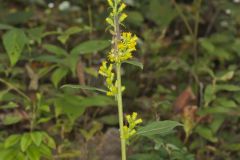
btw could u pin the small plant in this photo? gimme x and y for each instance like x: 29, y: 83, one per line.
x: 123, y: 46
x: 32, y: 143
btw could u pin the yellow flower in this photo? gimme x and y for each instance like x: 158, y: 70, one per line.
x: 125, y: 48
x: 112, y: 90
x: 122, y: 7
x: 106, y: 71
x: 130, y: 130
x: 110, y: 2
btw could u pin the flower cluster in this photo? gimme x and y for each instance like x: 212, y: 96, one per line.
x: 106, y: 71
x: 125, y: 48
x: 130, y: 130
x: 117, y: 9
x: 124, y: 45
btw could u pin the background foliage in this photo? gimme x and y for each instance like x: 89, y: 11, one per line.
x: 190, y: 50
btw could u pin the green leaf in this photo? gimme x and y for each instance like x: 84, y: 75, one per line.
x: 45, y: 151
x: 161, y: 12
x: 50, y: 33
x: 221, y: 38
x: 158, y: 128
x: 227, y: 87
x: 227, y: 76
x: 71, y: 62
x: 49, y: 141
x: 73, y: 30
x: 91, y: 71
x: 55, y: 49
x: 236, y: 45
x: 69, y: 105
x: 36, y: 33
x: 207, y: 45
x: 209, y: 94
x: 5, y: 27
x: 109, y: 119
x: 2, y: 94
x: 216, y: 123
x: 84, y: 87
x: 222, y: 54
x: 10, y: 105
x: 58, y: 75
x: 96, y: 127
x: 225, y: 102
x: 12, y: 140
x: 97, y: 101
x: 70, y: 31
x: 206, y: 133
x: 20, y: 156
x: 48, y: 58
x: 14, y: 42
x: 216, y: 110
x: 44, y: 120
x: 75, y: 106
x: 91, y: 46
x: 33, y: 153
x: 37, y: 137
x: 12, y: 119
x: 135, y: 63
x: 8, y: 154
x: 26, y: 141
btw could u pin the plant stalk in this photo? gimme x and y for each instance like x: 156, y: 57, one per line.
x: 117, y: 38
x: 120, y: 111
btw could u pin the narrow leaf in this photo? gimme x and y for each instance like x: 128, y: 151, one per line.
x: 58, y: 75
x: 206, y: 133
x: 159, y: 128
x: 55, y: 49
x: 84, y: 87
x: 90, y: 47
x: 135, y: 63
x: 228, y: 87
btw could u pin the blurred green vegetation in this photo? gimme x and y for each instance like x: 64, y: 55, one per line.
x: 190, y: 50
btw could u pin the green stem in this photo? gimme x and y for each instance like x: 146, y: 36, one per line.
x: 10, y: 86
x: 117, y: 38
x: 90, y: 20
x: 184, y: 18
x: 193, y: 32
x: 33, y: 118
x: 120, y: 111
x: 196, y: 29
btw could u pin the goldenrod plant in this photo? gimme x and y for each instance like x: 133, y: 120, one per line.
x: 122, y: 50
x: 123, y: 46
